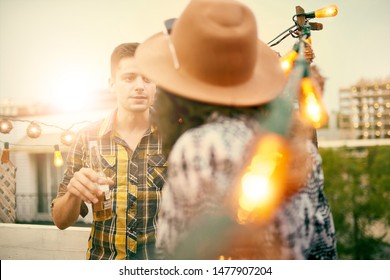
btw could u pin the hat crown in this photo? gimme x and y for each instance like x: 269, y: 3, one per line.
x: 216, y: 42
x: 220, y: 59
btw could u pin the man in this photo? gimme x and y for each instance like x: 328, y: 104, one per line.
x: 132, y: 158
x: 222, y: 86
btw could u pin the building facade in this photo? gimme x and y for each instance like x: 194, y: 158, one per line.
x: 365, y: 110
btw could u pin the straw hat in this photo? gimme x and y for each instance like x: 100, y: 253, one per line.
x: 221, y: 60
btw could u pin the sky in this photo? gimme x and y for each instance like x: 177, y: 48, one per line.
x: 57, y: 51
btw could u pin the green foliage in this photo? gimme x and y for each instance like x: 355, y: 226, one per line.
x: 357, y: 184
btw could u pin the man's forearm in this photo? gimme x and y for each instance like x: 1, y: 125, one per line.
x: 66, y: 210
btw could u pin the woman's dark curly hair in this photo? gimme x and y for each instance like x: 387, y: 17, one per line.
x: 173, y: 115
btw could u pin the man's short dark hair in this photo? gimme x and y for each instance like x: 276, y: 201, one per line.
x: 120, y: 52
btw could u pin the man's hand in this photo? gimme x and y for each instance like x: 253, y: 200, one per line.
x: 83, y: 185
x: 309, y: 54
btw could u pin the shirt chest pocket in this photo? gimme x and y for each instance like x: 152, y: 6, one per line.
x: 109, y: 166
x: 157, y: 168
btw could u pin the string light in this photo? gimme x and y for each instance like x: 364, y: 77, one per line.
x: 34, y: 130
x: 5, y: 126
x: 287, y: 61
x: 5, y: 154
x: 58, y: 161
x: 261, y: 186
x: 68, y: 137
x: 328, y: 11
x: 311, y: 106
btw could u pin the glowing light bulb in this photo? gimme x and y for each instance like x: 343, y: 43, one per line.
x: 287, y: 61
x: 5, y: 154
x: 5, y: 126
x: 58, y: 161
x: 33, y: 130
x: 310, y: 104
x: 255, y: 189
x: 329, y: 11
x: 261, y: 186
x: 68, y: 137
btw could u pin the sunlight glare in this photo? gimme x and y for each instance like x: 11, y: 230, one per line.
x: 72, y: 90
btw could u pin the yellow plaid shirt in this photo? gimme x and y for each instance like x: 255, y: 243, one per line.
x: 139, y: 176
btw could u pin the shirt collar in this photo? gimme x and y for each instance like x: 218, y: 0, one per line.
x: 108, y: 126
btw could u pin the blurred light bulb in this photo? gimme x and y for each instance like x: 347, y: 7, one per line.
x: 287, y: 61
x: 33, y: 130
x: 58, y: 161
x: 255, y: 189
x: 311, y: 106
x: 261, y: 187
x: 5, y: 126
x: 5, y: 154
x: 67, y: 137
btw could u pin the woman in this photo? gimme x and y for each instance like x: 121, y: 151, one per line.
x: 222, y: 92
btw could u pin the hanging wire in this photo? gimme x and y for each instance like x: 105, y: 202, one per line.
x: 42, y: 123
x: 289, y: 31
x: 66, y: 142
x: 281, y: 34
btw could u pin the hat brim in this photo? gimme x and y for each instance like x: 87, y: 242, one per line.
x: 155, y: 61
